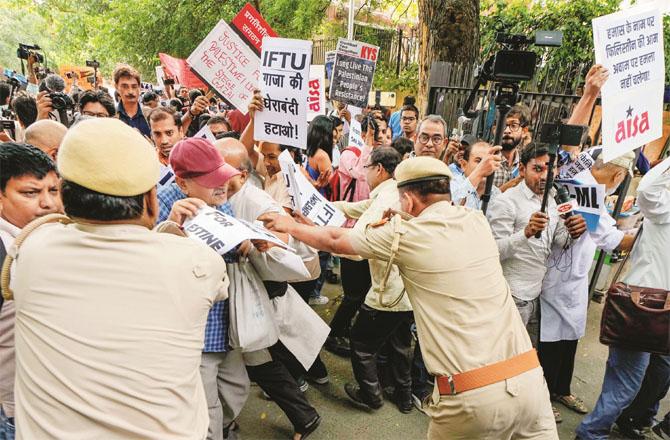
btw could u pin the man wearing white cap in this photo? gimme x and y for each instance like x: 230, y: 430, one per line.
x: 110, y: 316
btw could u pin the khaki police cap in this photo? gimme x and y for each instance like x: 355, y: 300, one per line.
x: 421, y: 169
x: 108, y: 156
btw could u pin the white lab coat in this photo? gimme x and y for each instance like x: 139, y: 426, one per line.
x: 565, y: 289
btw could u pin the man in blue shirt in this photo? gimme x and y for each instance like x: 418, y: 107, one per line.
x: 127, y: 84
x: 202, y: 178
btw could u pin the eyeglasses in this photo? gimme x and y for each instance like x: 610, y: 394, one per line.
x: 371, y: 165
x: 95, y: 115
x: 514, y: 126
x: 437, y: 139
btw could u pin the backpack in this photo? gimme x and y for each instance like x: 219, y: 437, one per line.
x: 334, y: 184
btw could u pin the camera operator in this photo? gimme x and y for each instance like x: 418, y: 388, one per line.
x: 150, y: 100
x: 5, y: 92
x: 52, y: 102
x: 479, y: 161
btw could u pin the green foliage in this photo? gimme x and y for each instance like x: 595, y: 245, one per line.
x: 387, y: 81
x: 135, y: 31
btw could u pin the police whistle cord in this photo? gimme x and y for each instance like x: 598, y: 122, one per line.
x: 13, y: 251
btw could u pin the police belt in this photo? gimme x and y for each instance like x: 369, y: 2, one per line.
x: 487, y: 375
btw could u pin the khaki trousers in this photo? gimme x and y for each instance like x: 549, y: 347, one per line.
x: 516, y: 408
x: 226, y: 383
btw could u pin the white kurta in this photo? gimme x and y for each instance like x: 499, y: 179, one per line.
x: 300, y: 329
x: 650, y: 260
x: 565, y: 289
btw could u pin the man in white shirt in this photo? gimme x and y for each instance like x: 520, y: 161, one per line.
x: 650, y: 260
x: 29, y: 188
x: 515, y: 219
x: 564, y: 298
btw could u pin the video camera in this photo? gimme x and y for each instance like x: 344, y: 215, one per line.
x: 25, y: 50
x: 512, y: 62
x: 93, y: 63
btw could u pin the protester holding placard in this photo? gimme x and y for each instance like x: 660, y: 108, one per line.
x: 201, y: 179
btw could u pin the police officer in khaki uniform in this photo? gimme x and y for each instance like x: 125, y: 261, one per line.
x: 110, y: 316
x: 489, y: 383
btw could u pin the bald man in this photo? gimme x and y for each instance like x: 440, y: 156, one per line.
x: 46, y: 134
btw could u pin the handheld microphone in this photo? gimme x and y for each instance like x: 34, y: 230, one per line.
x: 564, y: 204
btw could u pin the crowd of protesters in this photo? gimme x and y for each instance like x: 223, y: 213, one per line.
x: 116, y: 326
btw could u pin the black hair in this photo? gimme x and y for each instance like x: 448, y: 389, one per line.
x: 5, y: 91
x: 521, y: 112
x: 219, y: 120
x: 91, y: 205
x: 192, y: 94
x: 149, y: 96
x: 297, y: 153
x: 18, y: 160
x: 370, y: 122
x: 467, y: 148
x: 25, y: 108
x: 336, y: 121
x: 531, y: 151
x: 408, y: 100
x: 387, y: 157
x: 160, y: 113
x: 402, y: 145
x: 97, y: 96
x: 228, y: 134
x: 176, y: 103
x: 425, y: 188
x: 410, y: 108
x: 320, y: 136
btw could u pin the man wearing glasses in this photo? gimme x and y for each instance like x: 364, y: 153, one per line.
x: 513, y: 139
x: 96, y: 104
x: 431, y: 138
x: 409, y: 117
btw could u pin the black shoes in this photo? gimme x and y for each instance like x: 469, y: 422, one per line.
x: 403, y: 400
x: 355, y: 394
x: 310, y: 427
x: 338, y: 345
x: 630, y: 431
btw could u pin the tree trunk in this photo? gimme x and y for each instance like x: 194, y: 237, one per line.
x: 448, y: 31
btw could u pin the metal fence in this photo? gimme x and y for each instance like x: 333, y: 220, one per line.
x: 396, y: 47
x: 551, y: 94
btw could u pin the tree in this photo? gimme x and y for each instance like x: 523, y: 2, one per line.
x: 448, y: 31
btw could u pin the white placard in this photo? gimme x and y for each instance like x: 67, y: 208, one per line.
x: 222, y: 232
x: 590, y: 200
x: 305, y: 198
x: 226, y: 63
x: 316, y: 95
x: 284, y: 82
x: 206, y: 133
x: 630, y: 45
x: 583, y: 162
x: 160, y: 75
x: 166, y: 176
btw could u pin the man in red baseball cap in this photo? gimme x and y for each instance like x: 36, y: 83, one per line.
x: 201, y: 178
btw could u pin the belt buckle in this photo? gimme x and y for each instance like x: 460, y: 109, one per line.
x: 452, y: 386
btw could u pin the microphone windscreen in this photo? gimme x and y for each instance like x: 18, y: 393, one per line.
x: 54, y: 83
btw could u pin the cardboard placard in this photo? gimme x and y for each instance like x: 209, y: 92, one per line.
x: 222, y: 232
x: 305, y: 198
x: 284, y: 81
x: 630, y: 45
x: 354, y: 70
x: 316, y: 95
x: 590, y: 200
x: 252, y: 27
x: 225, y: 62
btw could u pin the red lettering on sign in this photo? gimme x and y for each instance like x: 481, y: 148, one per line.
x: 369, y: 53
x: 631, y: 127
